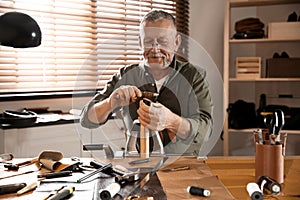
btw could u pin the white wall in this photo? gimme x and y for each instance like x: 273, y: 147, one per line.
x: 207, y: 28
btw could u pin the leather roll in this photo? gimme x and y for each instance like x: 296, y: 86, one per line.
x: 50, y: 159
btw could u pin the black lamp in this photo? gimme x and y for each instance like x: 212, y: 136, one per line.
x: 19, y: 30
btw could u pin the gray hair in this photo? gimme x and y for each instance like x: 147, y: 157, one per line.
x: 155, y: 15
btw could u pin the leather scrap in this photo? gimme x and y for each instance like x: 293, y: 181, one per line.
x: 50, y: 159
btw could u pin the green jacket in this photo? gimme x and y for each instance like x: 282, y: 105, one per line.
x: 185, y: 92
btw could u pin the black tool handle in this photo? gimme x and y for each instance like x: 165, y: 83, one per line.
x: 63, y: 194
x: 109, y: 171
x: 55, y: 174
x: 11, y: 188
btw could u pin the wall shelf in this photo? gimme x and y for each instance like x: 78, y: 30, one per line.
x: 262, y: 40
x: 264, y: 79
x: 250, y: 130
x: 261, y: 47
x: 244, y: 3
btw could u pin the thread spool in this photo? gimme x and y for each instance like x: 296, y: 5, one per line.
x: 198, y: 191
x: 12, y: 167
x: 269, y: 184
x: 254, y: 192
x: 6, y: 157
x: 110, y: 191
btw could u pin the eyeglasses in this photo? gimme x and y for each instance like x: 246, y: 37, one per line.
x: 160, y: 43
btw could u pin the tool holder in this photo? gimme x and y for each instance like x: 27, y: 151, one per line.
x: 269, y: 160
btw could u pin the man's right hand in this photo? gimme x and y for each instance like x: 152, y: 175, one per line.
x: 124, y: 96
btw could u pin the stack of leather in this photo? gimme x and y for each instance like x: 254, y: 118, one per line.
x: 249, y: 28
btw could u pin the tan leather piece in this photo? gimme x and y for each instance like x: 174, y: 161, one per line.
x: 50, y: 159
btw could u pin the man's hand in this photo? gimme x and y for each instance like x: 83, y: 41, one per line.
x: 124, y: 95
x: 155, y: 117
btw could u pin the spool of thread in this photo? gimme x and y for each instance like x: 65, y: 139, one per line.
x: 6, y: 157
x: 110, y: 191
x: 269, y: 184
x: 254, y: 192
x: 198, y: 191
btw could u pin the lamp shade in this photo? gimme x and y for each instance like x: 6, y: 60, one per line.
x: 19, y: 30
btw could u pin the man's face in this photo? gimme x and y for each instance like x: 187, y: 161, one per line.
x: 159, y: 42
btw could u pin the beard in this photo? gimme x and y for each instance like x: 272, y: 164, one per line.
x: 157, y: 65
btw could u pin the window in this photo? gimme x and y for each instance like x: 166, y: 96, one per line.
x: 83, y: 42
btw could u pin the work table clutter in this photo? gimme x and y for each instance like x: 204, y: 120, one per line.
x: 224, y: 177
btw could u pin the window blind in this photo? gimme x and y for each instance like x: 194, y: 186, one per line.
x: 84, y: 42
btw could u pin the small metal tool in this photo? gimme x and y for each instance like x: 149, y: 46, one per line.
x: 16, y: 166
x: 128, y: 178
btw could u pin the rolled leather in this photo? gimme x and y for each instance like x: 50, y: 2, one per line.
x: 50, y: 159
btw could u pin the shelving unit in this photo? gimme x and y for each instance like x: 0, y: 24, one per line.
x: 238, y: 47
x: 266, y: 79
x: 261, y: 40
x: 251, y: 130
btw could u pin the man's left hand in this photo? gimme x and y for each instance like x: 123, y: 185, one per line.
x: 155, y: 117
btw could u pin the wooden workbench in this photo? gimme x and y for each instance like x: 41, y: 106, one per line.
x: 225, y: 177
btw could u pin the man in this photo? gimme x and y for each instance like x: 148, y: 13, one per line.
x: 182, y: 113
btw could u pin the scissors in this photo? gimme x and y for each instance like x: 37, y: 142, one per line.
x: 274, y: 123
x: 280, y: 123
